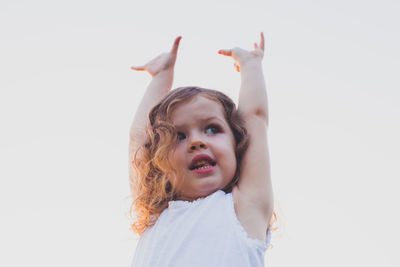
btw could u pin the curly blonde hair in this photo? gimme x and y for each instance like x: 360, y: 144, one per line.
x: 151, y: 188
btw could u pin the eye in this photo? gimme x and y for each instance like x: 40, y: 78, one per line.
x: 181, y: 136
x: 214, y: 129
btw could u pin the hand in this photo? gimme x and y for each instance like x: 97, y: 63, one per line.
x: 162, y: 62
x: 242, y: 56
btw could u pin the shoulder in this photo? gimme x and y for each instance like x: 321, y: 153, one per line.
x: 251, y: 215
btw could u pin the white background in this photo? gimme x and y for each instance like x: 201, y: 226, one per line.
x: 68, y: 97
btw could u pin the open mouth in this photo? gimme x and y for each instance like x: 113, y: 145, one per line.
x: 202, y: 165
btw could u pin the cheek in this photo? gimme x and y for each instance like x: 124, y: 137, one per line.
x: 226, y: 150
x: 177, y: 157
x: 178, y: 163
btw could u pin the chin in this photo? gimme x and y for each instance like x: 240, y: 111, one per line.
x: 209, y: 190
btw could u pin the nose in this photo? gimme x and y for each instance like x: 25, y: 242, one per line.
x: 196, y: 145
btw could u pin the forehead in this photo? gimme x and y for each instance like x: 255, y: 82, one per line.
x: 197, y: 108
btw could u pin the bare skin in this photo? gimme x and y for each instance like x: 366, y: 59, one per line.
x: 241, y: 56
x: 253, y: 196
x: 161, y: 68
x: 163, y: 62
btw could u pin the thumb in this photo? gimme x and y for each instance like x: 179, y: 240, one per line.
x: 237, y: 67
x: 174, y: 49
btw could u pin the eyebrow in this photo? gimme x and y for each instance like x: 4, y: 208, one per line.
x: 205, y: 120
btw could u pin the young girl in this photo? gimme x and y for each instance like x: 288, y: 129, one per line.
x: 199, y: 169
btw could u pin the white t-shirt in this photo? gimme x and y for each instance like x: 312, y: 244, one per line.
x: 204, y: 232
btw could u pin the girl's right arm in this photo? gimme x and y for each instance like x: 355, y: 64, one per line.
x: 161, y: 69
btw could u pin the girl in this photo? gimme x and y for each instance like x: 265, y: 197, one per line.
x: 199, y: 169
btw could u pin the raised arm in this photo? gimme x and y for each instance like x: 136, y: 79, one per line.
x: 161, y: 69
x: 255, y: 177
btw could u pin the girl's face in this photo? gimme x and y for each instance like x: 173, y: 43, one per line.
x: 202, y: 130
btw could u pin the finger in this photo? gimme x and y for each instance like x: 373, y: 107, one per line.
x: 225, y: 52
x: 139, y: 68
x: 176, y: 45
x: 255, y: 46
x: 237, y: 66
x: 262, y: 41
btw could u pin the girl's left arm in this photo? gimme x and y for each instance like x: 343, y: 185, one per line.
x: 255, y: 175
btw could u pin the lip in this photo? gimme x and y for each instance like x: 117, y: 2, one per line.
x: 204, y: 171
x: 202, y: 157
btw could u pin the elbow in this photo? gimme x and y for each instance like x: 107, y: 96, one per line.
x: 260, y: 114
